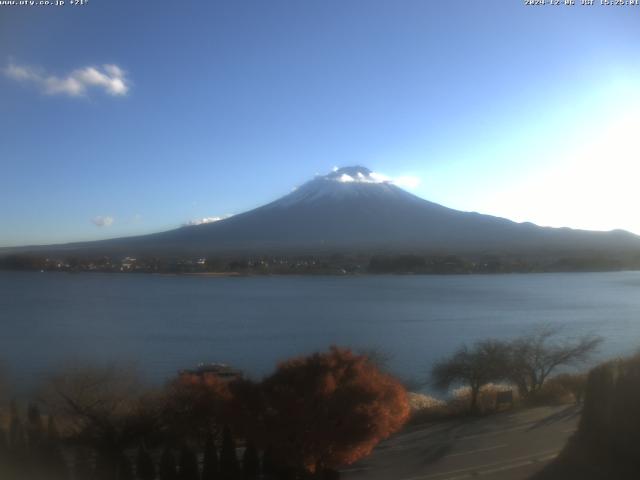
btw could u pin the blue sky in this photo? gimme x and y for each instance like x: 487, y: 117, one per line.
x: 121, y: 117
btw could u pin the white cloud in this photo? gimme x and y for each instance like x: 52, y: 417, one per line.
x: 344, y: 178
x: 406, y: 181
x: 375, y: 177
x: 202, y: 221
x: 109, y: 78
x: 102, y: 221
x: 379, y: 178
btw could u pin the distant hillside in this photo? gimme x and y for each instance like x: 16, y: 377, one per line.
x: 350, y: 210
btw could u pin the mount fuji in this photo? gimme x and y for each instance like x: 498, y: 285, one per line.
x: 354, y: 210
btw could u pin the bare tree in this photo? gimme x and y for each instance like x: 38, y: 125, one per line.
x: 474, y: 367
x: 105, y: 407
x: 535, y: 356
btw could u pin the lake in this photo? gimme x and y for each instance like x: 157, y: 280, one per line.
x: 166, y: 323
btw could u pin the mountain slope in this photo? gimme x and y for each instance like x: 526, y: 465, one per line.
x: 353, y: 210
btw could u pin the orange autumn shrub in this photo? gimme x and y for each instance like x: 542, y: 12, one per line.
x: 195, y: 405
x: 329, y: 409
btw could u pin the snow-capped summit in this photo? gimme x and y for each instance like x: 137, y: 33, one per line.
x: 360, y: 174
x: 356, y: 174
x: 341, y: 184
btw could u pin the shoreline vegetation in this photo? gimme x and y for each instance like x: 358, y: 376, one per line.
x: 308, y: 418
x: 312, y: 416
x: 335, y: 264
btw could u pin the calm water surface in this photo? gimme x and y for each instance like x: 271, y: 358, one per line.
x: 165, y: 323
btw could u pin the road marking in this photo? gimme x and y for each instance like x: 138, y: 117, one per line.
x: 469, y: 452
x: 354, y: 470
x: 528, y: 414
x: 526, y: 463
x: 494, y: 467
x: 526, y: 426
x: 492, y: 432
x: 419, y: 434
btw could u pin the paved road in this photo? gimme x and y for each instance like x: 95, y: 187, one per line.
x: 508, y: 446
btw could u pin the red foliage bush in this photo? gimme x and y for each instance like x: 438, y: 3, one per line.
x: 329, y: 409
x: 196, y: 404
x: 314, y: 413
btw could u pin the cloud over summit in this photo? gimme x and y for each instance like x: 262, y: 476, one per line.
x: 375, y: 177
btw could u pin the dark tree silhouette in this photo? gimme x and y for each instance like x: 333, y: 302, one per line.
x: 4, y: 451
x: 194, y: 405
x: 145, y: 468
x: 606, y: 444
x: 474, y: 367
x: 250, y: 462
x: 245, y: 410
x: 269, y: 467
x: 210, y: 466
x: 52, y: 430
x: 4, y: 444
x: 125, y: 470
x: 35, y: 426
x: 52, y: 457
x: 18, y: 452
x: 106, y: 465
x: 329, y: 409
x: 16, y: 429
x: 36, y: 442
x: 228, y: 458
x: 188, y: 465
x: 82, y: 464
x: 167, y: 469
